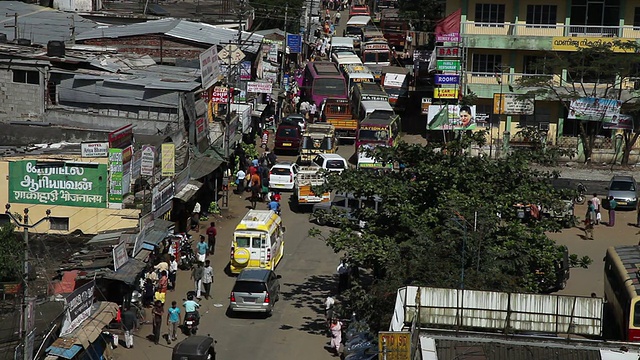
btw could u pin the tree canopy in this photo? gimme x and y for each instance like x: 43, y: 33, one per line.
x: 271, y: 14
x: 444, y: 212
x: 422, y: 14
x: 600, y: 71
x: 11, y: 265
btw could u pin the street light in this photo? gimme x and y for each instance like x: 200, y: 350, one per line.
x: 501, y: 68
x: 25, y: 276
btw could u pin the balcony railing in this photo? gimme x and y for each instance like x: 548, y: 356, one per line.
x: 507, y: 79
x: 522, y: 29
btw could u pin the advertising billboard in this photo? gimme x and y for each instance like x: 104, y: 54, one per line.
x: 593, y: 109
x: 58, y: 183
x: 512, y: 104
x: 210, y: 71
x: 168, y: 159
x: 95, y: 149
x: 451, y: 117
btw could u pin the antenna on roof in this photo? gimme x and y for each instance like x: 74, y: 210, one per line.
x: 14, y: 26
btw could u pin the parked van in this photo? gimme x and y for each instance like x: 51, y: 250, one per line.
x: 288, y: 138
x: 258, y: 241
x: 341, y: 43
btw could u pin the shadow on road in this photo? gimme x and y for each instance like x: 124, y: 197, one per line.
x: 311, y: 294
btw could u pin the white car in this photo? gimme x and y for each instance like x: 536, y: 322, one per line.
x: 331, y: 162
x: 283, y: 176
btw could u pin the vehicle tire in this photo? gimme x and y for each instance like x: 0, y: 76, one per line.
x: 580, y: 199
x: 194, y: 330
x: 321, y: 221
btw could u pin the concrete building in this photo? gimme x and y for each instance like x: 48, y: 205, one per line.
x: 503, y: 39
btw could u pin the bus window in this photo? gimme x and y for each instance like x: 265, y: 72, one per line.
x: 636, y: 314
x: 329, y: 87
x: 370, y: 57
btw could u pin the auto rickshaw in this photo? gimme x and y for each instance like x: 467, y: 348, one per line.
x: 195, y: 348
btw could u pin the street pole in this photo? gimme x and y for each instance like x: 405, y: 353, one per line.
x: 309, y: 29
x: 284, y: 55
x: 25, y: 276
x: 499, y: 79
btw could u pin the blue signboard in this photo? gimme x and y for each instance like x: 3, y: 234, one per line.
x: 294, y: 42
x: 444, y: 79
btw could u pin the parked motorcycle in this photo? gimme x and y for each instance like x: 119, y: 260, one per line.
x: 187, y: 255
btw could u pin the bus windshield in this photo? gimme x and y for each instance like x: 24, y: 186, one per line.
x: 373, y: 135
x: 329, y: 87
x: 376, y: 57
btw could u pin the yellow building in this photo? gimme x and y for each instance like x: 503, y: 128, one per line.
x: 73, y: 188
x: 503, y: 39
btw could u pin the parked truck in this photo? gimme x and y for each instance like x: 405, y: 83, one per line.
x: 337, y: 112
x: 307, y: 178
x: 317, y: 138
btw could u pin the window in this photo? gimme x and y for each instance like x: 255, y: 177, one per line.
x: 485, y: 64
x: 256, y: 243
x: 490, y: 13
x: 534, y: 65
x: 26, y: 77
x: 59, y: 223
x: 242, y: 241
x: 541, y: 14
x: 636, y: 19
x: 249, y: 287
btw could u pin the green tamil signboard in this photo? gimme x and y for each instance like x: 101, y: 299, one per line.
x: 116, y: 173
x: 448, y: 65
x: 58, y: 183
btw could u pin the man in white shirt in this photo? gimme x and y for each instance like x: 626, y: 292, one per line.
x: 312, y: 112
x: 304, y: 108
x: 343, y: 276
x: 328, y: 308
x: 596, y: 204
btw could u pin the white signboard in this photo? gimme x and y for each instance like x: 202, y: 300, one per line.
x: 95, y: 149
x: 231, y: 54
x: 209, y: 67
x: 259, y: 87
x: 394, y: 80
x: 148, y: 160
x: 120, y: 256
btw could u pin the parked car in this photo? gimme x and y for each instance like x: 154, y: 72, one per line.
x: 331, y: 162
x: 255, y: 290
x: 195, y: 348
x: 624, y: 190
x: 283, y: 175
x: 288, y: 138
x: 296, y: 119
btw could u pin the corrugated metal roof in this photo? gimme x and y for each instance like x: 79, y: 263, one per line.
x: 469, y: 350
x: 41, y: 24
x: 182, y: 29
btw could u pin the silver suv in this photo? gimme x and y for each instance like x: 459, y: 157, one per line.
x: 255, y: 290
x: 624, y: 191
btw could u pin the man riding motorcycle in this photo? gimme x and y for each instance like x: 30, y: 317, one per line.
x: 274, y: 205
x: 191, y: 306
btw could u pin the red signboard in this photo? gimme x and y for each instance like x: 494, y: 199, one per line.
x: 220, y: 95
x: 448, y: 51
x: 201, y: 127
x: 121, y: 138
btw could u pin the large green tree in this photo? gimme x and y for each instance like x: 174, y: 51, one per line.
x: 271, y: 14
x: 599, y: 71
x: 11, y: 256
x: 445, y: 212
x: 422, y: 14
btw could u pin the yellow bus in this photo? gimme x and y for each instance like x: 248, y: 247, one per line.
x: 258, y: 241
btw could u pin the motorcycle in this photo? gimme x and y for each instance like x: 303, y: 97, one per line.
x: 192, y: 318
x: 187, y: 255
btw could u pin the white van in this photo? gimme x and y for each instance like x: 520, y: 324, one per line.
x: 341, y: 43
x: 258, y: 241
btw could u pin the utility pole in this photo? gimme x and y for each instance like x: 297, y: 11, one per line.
x: 310, y: 12
x: 26, y: 324
x: 284, y: 56
x: 14, y: 26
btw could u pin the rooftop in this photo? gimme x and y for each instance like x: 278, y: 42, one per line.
x: 41, y: 24
x: 196, y: 32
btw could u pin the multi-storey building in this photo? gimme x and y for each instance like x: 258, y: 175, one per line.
x: 502, y: 39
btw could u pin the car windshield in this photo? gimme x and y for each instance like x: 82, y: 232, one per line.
x: 249, y: 287
x: 287, y: 132
x: 243, y: 241
x: 335, y: 164
x: 319, y: 144
x: 280, y: 171
x: 622, y: 186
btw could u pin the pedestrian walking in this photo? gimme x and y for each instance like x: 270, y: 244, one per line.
x: 207, y: 279
x: 336, y: 335
x: 240, y: 179
x: 163, y: 285
x: 589, y: 220
x: 129, y: 325
x: 202, y: 249
x: 212, y: 232
x: 312, y: 111
x: 596, y: 204
x: 638, y: 215
x: 612, y: 211
x: 196, y: 275
x: 304, y: 109
x: 329, y: 302
x: 158, y: 312
x: 343, y: 275
x: 337, y: 18
x: 173, y: 272
x: 173, y: 322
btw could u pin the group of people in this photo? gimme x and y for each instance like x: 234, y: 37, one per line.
x: 594, y: 216
x: 255, y: 178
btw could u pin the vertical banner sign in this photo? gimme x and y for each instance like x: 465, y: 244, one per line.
x: 424, y: 107
x: 168, y: 159
x: 448, y: 29
x: 78, y: 307
x: 120, y: 256
x: 210, y: 67
x: 148, y: 160
x: 127, y: 161
x: 121, y: 138
x: 201, y: 128
x: 115, y: 178
x: 294, y: 42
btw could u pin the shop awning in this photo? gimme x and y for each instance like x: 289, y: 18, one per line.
x: 88, y: 331
x: 203, y: 166
x: 128, y: 273
x: 188, y: 191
